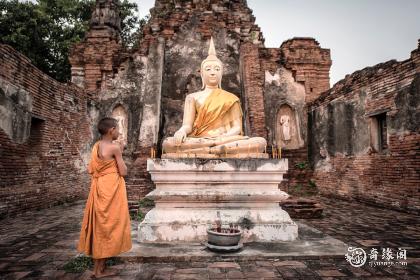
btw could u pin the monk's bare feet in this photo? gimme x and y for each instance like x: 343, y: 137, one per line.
x: 103, y: 266
x: 105, y: 273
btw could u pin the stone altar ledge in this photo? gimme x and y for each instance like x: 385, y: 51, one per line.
x: 191, y: 193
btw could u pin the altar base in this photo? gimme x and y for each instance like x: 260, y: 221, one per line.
x: 191, y: 193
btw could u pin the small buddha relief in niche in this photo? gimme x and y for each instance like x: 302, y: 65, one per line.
x: 287, y: 131
x: 285, y: 124
x: 120, y: 114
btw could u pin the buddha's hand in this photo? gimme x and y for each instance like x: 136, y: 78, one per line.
x: 180, y: 136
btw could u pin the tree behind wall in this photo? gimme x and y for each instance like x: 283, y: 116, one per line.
x: 45, y: 30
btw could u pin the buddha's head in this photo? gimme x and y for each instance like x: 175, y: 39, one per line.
x: 211, y: 69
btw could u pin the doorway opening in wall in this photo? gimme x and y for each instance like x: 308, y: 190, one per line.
x: 36, y: 149
x: 36, y: 133
x: 379, y: 133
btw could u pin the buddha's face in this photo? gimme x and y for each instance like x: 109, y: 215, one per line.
x: 211, y: 73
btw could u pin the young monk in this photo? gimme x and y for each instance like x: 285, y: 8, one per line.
x: 106, y: 222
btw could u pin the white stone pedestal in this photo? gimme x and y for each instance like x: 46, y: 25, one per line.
x: 190, y: 192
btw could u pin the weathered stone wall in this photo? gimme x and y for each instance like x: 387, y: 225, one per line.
x: 342, y: 135
x: 134, y: 91
x: 282, y: 91
x: 289, y: 75
x: 124, y: 85
x: 45, y: 137
x: 138, y: 180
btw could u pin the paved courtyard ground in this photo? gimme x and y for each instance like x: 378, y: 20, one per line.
x: 38, y: 244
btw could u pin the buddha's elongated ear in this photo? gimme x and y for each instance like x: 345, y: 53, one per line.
x: 221, y: 75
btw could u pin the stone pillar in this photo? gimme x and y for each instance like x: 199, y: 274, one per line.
x: 149, y: 129
x: 253, y: 95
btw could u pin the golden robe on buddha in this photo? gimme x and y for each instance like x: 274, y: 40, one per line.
x: 219, y: 110
x: 106, y: 229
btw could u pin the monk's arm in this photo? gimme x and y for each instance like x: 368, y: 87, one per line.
x: 122, y: 168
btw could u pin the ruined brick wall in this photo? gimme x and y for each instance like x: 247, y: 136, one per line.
x: 95, y: 59
x: 309, y: 63
x: 277, y: 77
x: 342, y: 135
x: 169, y: 17
x: 45, y: 137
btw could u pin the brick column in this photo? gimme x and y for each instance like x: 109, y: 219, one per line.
x: 253, y: 94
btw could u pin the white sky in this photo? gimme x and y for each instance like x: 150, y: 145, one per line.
x: 360, y: 33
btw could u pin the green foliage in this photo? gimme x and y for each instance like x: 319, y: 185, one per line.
x: 81, y: 263
x: 253, y: 35
x: 78, y: 264
x: 144, y: 205
x: 298, y: 188
x: 146, y: 202
x: 312, y: 184
x: 133, y: 215
x: 140, y: 216
x: 44, y: 31
x: 304, y: 190
x: 301, y: 165
x: 25, y: 28
x: 131, y: 25
x: 113, y: 261
x: 133, y: 39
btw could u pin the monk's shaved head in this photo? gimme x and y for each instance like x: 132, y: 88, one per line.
x: 106, y: 124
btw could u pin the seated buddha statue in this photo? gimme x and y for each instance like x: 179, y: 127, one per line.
x: 212, y: 121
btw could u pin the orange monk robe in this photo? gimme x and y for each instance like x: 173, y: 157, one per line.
x: 220, y: 108
x: 106, y: 229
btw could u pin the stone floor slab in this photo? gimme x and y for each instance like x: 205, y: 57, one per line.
x: 310, y: 243
x: 55, y: 231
